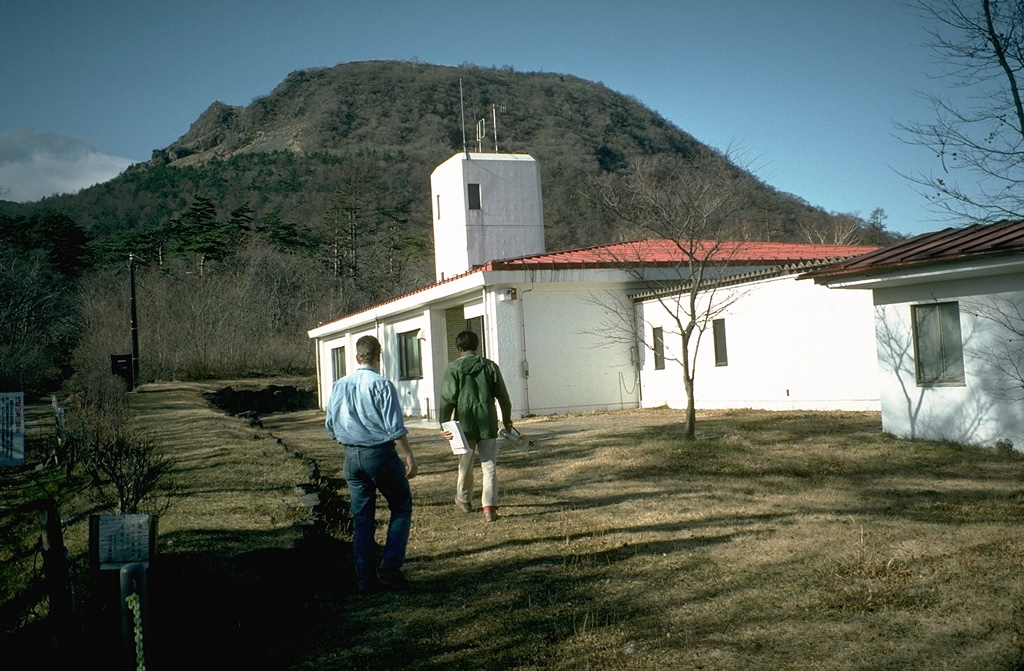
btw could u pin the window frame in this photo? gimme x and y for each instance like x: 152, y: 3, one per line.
x: 409, y: 369
x: 941, y: 363
x: 719, y: 338
x: 476, y: 325
x: 658, y: 347
x: 473, y: 197
x: 338, y: 357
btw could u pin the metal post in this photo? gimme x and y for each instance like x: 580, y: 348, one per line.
x: 134, y: 618
x: 134, y: 321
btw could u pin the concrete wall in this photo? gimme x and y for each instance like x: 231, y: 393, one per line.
x: 509, y: 223
x: 415, y: 395
x: 791, y: 345
x: 549, y: 344
x: 988, y: 407
x: 570, y: 362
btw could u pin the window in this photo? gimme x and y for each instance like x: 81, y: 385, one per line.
x: 438, y: 207
x: 474, y: 196
x: 659, y: 349
x: 476, y: 325
x: 718, y: 330
x: 338, y: 362
x: 938, y: 350
x: 409, y: 355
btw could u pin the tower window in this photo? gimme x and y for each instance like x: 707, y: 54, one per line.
x: 474, y: 196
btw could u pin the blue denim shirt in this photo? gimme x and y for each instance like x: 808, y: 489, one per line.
x: 364, y: 409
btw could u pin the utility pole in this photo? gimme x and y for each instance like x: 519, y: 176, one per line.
x: 134, y: 320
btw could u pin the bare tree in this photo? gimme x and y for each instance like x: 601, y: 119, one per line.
x: 134, y: 467
x: 98, y: 423
x: 685, y: 208
x: 978, y: 138
x: 357, y: 223
x: 842, y: 229
x: 37, y: 319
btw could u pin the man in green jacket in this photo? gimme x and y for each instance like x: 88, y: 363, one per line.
x: 471, y: 386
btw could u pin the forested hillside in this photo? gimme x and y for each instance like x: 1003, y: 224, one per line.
x: 313, y: 201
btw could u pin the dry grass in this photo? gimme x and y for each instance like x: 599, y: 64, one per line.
x: 775, y: 541
x: 229, y: 479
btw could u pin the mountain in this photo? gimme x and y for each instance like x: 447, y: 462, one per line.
x: 283, y: 153
x: 311, y: 202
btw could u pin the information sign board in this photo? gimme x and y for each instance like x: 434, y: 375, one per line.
x: 12, y: 429
x: 116, y: 540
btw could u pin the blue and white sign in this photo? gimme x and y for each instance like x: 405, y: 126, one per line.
x: 12, y: 429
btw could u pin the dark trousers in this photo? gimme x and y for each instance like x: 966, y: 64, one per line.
x: 368, y: 470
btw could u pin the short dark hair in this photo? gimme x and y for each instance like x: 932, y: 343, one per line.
x: 467, y: 341
x: 367, y: 349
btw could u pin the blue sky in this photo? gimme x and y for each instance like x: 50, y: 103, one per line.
x: 808, y: 92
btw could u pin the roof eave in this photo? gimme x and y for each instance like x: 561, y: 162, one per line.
x: 916, y: 273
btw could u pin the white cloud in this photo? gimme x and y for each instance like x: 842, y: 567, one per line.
x: 35, y: 165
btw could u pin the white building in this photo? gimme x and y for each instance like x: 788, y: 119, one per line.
x: 545, y: 318
x: 949, y: 324
x: 775, y: 343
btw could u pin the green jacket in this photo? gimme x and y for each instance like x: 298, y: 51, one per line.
x: 471, y: 385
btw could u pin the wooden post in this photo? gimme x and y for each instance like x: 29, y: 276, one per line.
x: 58, y: 571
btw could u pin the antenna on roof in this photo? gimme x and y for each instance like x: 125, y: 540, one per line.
x: 481, y: 133
x: 494, y: 119
x: 462, y: 107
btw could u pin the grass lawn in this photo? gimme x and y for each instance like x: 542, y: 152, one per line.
x: 775, y: 541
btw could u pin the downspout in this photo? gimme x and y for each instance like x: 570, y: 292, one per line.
x: 488, y: 322
x: 319, y: 375
x: 635, y: 356
x: 525, y: 366
x: 380, y: 339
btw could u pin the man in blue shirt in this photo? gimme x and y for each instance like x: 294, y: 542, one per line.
x: 364, y: 415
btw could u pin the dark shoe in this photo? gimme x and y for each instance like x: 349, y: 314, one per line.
x: 373, y: 587
x: 392, y: 580
x: 464, y: 507
x: 490, y: 514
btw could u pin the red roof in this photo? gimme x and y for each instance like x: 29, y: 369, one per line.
x: 949, y: 244
x: 665, y: 252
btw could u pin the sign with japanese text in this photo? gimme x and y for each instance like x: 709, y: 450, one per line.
x: 116, y: 540
x: 12, y: 429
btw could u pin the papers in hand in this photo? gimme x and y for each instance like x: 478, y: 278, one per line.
x: 458, y: 441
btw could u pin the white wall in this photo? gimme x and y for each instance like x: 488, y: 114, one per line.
x: 573, y: 364
x: 553, y: 329
x: 415, y: 395
x: 791, y: 345
x: 982, y: 411
x: 504, y: 333
x: 325, y: 371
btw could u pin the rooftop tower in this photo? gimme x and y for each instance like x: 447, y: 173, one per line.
x: 485, y: 207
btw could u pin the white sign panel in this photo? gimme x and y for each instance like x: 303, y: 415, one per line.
x: 12, y: 429
x: 123, y: 539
